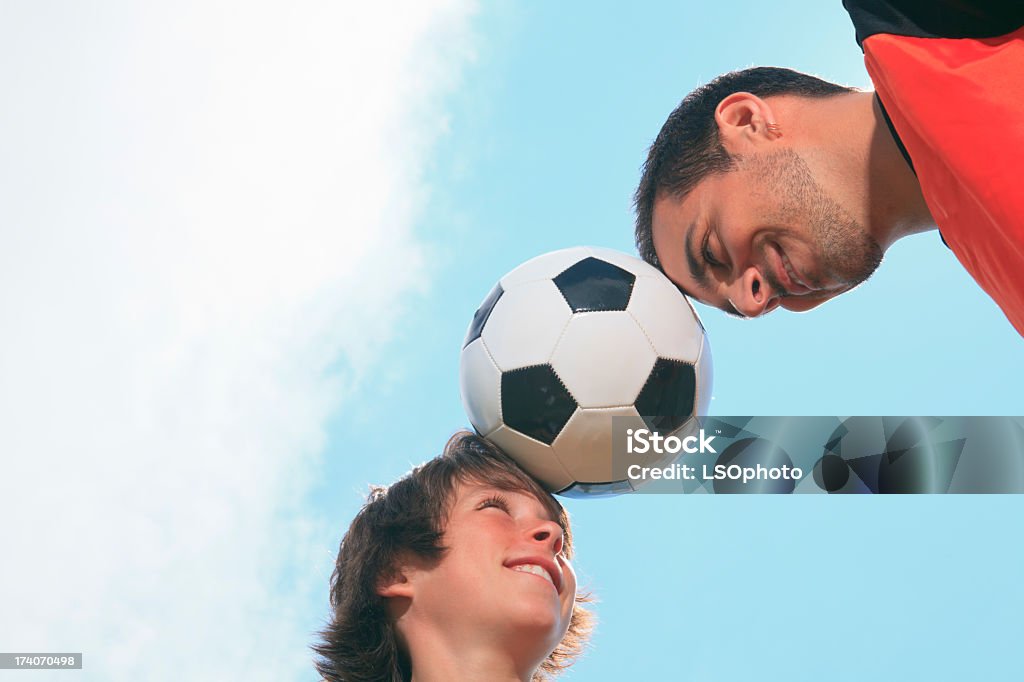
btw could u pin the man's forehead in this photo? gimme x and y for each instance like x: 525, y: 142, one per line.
x: 674, y: 223
x: 670, y: 207
x: 671, y: 216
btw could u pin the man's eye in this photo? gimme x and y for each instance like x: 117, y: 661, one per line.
x: 710, y: 257
x: 705, y: 249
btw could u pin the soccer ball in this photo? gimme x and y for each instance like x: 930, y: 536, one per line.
x: 567, y: 341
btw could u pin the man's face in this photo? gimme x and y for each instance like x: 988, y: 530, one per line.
x: 504, y: 570
x: 762, y: 236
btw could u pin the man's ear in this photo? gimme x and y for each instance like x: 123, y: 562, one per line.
x: 397, y: 583
x: 743, y: 121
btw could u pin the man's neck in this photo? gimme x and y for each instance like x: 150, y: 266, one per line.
x: 873, y: 179
x: 892, y: 185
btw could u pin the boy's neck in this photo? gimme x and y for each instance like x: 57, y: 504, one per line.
x: 467, y: 667
x: 439, y: 659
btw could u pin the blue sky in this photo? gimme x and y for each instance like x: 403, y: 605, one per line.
x: 240, y: 244
x: 548, y: 130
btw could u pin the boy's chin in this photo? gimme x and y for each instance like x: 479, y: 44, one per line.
x: 534, y: 623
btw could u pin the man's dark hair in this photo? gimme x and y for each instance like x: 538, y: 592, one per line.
x: 688, y: 148
x: 360, y: 643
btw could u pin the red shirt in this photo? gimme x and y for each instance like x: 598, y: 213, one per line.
x: 958, y: 107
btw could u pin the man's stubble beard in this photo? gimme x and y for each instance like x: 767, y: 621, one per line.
x: 846, y: 252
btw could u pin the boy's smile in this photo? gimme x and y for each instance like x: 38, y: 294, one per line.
x: 503, y: 568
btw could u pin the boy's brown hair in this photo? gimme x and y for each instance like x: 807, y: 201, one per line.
x: 360, y: 643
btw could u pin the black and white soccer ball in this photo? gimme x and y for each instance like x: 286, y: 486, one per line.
x: 567, y: 341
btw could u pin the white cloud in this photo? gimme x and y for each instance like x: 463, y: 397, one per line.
x: 206, y: 230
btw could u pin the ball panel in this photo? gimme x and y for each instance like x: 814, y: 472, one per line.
x: 525, y: 324
x: 535, y: 402
x: 667, y: 319
x: 480, y: 384
x: 584, y: 447
x: 603, y: 358
x: 705, y: 378
x: 529, y: 362
x: 690, y: 427
x: 593, y: 285
x: 481, y: 315
x: 537, y: 459
x: 667, y: 398
x: 591, y: 490
x: 635, y: 265
x: 546, y: 266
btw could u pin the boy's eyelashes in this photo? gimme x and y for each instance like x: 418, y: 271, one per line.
x: 499, y: 501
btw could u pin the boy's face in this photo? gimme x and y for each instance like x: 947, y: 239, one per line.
x: 504, y: 571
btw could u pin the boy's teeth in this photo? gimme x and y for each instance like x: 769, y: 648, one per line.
x: 535, y: 569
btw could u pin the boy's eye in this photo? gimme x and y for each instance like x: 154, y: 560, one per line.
x: 495, y: 501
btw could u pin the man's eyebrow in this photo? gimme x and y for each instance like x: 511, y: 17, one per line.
x: 698, y: 268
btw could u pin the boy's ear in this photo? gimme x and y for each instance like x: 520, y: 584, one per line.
x: 396, y: 584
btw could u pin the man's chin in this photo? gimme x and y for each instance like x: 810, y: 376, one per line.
x: 801, y: 304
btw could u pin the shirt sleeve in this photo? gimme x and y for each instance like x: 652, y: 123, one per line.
x: 935, y: 18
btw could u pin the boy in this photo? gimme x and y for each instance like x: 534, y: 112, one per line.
x: 458, y: 571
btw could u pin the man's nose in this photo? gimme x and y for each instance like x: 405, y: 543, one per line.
x: 750, y: 294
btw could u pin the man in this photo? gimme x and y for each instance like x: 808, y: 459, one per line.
x: 770, y: 188
x: 458, y: 571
